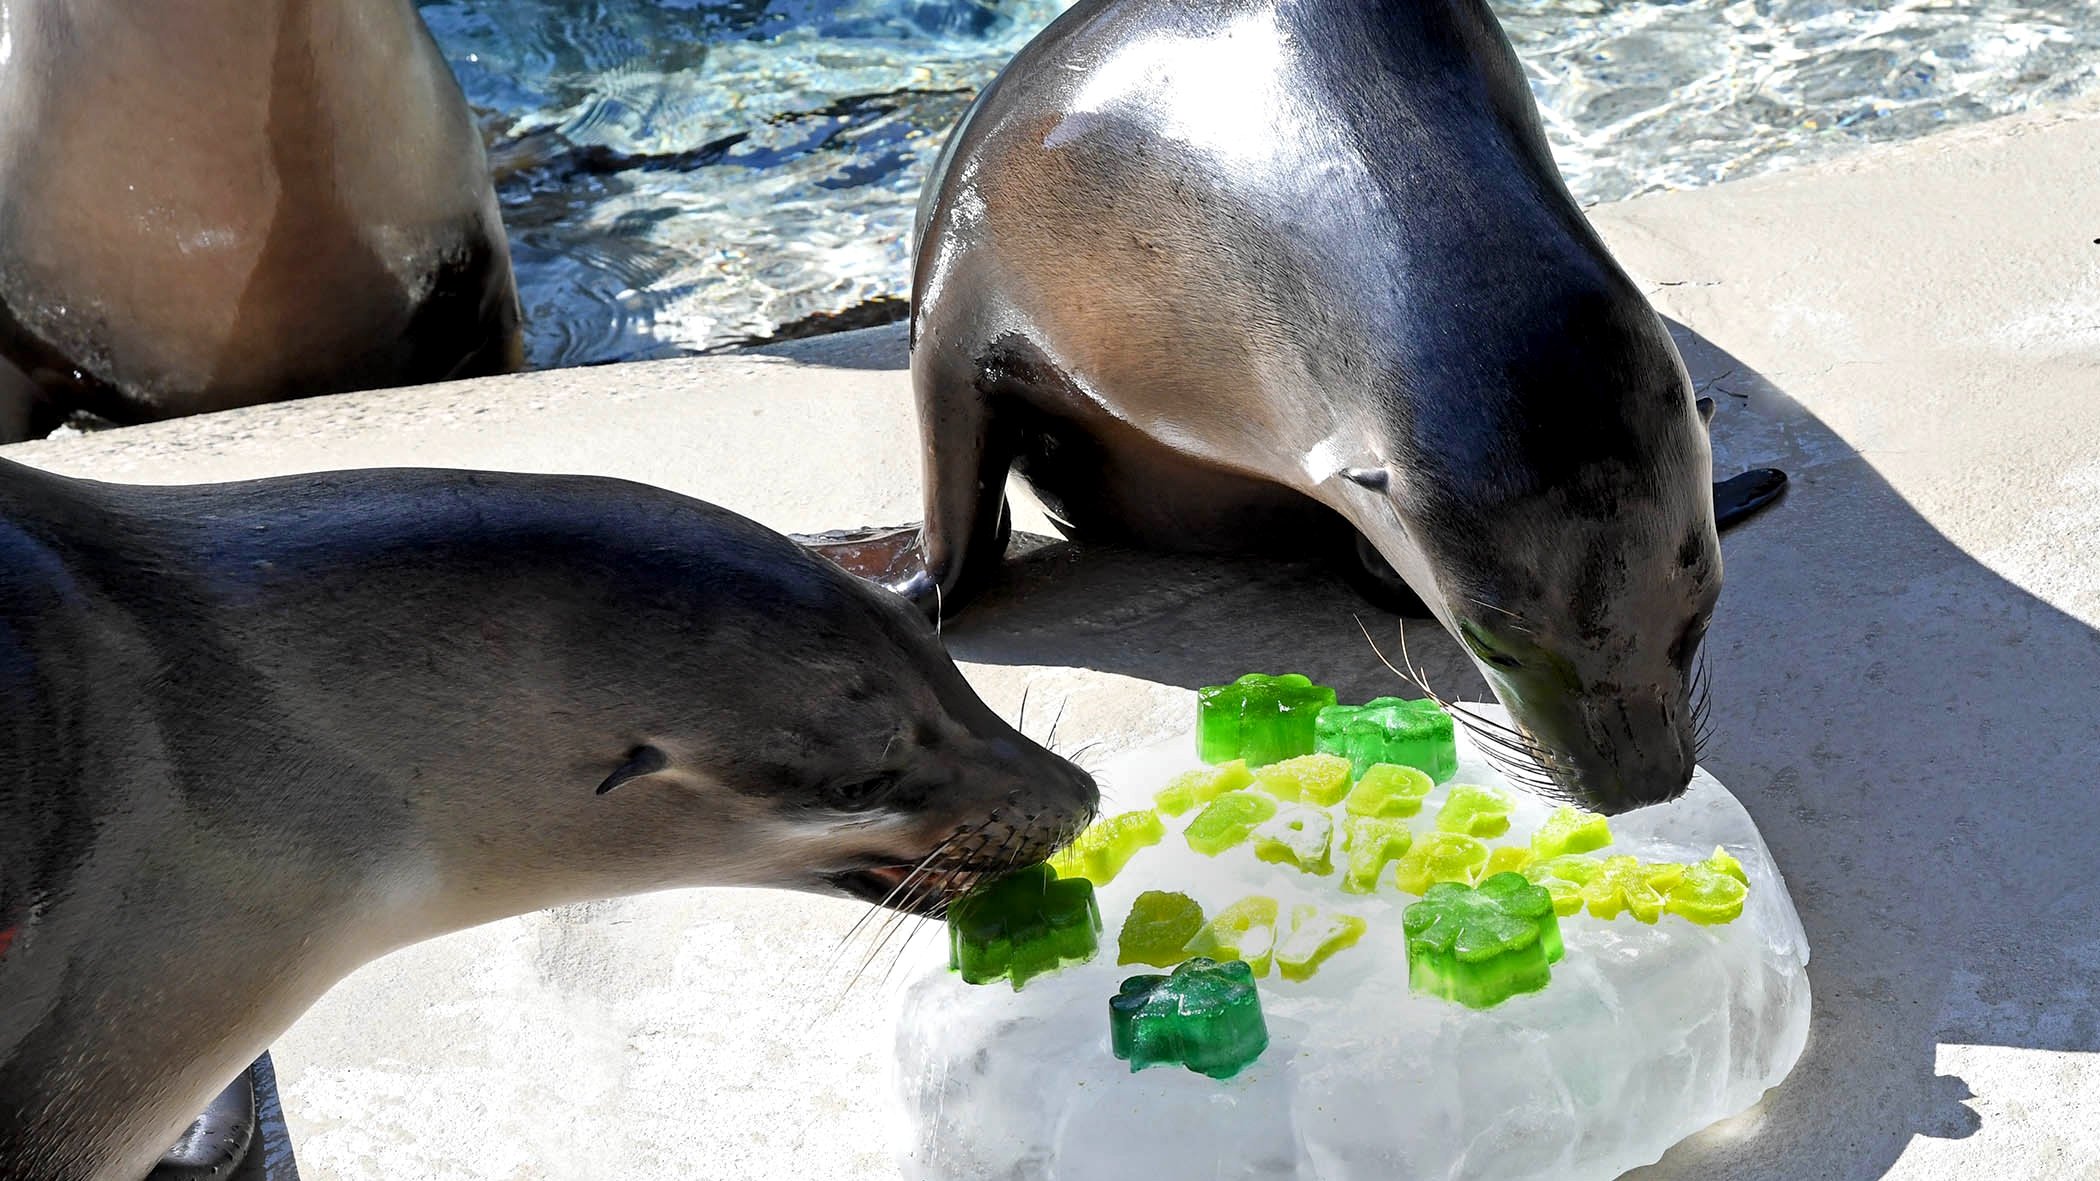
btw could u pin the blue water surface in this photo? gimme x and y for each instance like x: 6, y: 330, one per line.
x: 681, y: 174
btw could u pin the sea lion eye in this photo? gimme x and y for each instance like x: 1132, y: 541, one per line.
x: 857, y: 795
x: 1486, y: 650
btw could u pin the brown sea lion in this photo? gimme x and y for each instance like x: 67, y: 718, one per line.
x: 222, y: 202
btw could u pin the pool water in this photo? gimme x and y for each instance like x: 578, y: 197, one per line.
x: 683, y: 174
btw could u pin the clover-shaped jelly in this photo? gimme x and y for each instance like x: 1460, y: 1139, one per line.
x: 1481, y: 946
x: 1205, y: 1016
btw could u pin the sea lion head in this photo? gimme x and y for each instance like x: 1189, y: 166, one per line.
x: 1559, y: 522
x: 820, y: 726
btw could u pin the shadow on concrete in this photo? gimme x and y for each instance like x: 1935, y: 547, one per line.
x: 1915, y: 736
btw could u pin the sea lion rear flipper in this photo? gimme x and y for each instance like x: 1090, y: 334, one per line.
x: 218, y: 1140
x: 1740, y: 498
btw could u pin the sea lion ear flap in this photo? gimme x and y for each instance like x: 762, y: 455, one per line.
x: 1706, y: 411
x: 1377, y: 479
x: 642, y: 760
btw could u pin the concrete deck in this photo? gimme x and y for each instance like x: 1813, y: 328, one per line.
x: 1908, y: 696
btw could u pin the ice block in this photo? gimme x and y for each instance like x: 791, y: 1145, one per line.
x: 1299, y: 837
x: 1246, y: 930
x: 1023, y: 925
x: 1388, y: 789
x: 1315, y: 935
x: 1311, y: 779
x: 1261, y: 719
x: 1474, y: 811
x: 1205, y: 1016
x: 1440, y: 857
x: 1101, y: 852
x: 1482, y: 946
x: 1415, y: 734
x: 1227, y: 821
x: 1159, y: 928
x: 1372, y: 842
x: 1201, y: 786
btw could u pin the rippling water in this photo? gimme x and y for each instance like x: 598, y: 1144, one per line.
x: 680, y: 174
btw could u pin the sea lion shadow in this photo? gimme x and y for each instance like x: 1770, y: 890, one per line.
x: 1896, y: 715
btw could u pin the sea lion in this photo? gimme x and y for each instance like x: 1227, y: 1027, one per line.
x: 1301, y: 279
x: 253, y: 735
x: 224, y: 202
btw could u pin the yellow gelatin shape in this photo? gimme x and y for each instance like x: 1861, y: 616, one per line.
x: 1299, y: 836
x: 1563, y: 878
x: 1101, y: 852
x: 1315, y: 935
x: 1624, y: 884
x: 1570, y: 830
x: 1506, y: 859
x: 1246, y: 930
x: 1441, y: 857
x: 1388, y: 790
x: 1226, y: 821
x: 1311, y: 779
x: 1724, y: 862
x: 1474, y: 811
x: 1201, y: 786
x: 1372, y: 842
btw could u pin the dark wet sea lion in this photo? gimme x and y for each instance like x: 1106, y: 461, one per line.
x: 1301, y: 279
x: 223, y: 202
x: 254, y: 735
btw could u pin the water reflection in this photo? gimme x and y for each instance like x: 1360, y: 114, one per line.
x: 677, y: 174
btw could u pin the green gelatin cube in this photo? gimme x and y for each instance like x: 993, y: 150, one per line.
x: 1228, y: 820
x: 1482, y: 946
x: 1563, y: 879
x: 1101, y: 852
x: 1159, y: 928
x: 1709, y: 894
x: 1314, y: 937
x: 1206, y: 1016
x: 1373, y: 842
x: 1416, y: 734
x: 1507, y: 859
x: 1023, y: 925
x: 1202, y: 786
x: 1311, y: 779
x: 1246, y: 930
x: 1260, y: 719
x: 1474, y: 811
x: 1388, y: 789
x: 1570, y: 830
x: 1440, y: 857
x: 1622, y: 884
x: 1299, y: 837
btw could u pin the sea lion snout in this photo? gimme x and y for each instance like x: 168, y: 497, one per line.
x: 1610, y: 752
x: 973, y: 807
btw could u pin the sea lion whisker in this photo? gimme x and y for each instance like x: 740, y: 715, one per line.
x: 1050, y: 739
x: 875, y: 908
x: 1021, y: 715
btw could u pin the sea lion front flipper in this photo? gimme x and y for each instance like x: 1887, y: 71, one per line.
x: 885, y: 554
x: 1374, y: 578
x: 218, y: 1140
x: 1740, y: 498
